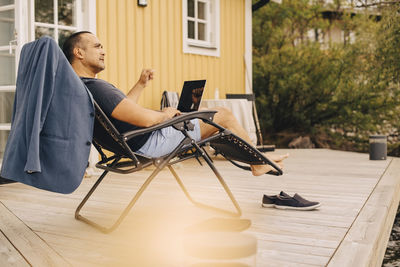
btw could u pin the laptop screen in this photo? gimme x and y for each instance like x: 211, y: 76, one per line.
x: 191, y: 95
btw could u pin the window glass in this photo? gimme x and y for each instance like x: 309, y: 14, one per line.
x: 191, y: 29
x: 65, y: 12
x: 198, y: 21
x: 201, y: 31
x: 44, y: 11
x: 3, y: 141
x: 6, y: 106
x: 62, y: 36
x: 7, y: 67
x: 201, y: 10
x: 190, y: 5
x: 6, y: 27
x: 66, y: 19
x: 41, y: 31
x: 6, y: 2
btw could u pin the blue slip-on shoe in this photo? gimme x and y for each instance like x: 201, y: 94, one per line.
x: 269, y: 201
x: 295, y: 203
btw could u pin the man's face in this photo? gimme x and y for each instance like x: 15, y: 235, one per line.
x: 92, y: 52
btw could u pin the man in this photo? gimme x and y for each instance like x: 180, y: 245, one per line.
x: 86, y: 55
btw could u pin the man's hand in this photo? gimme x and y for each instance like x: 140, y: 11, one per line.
x: 136, y: 90
x: 145, y: 77
x: 171, y: 112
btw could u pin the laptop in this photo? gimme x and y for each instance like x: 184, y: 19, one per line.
x: 191, y: 95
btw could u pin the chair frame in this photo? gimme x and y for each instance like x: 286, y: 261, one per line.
x: 252, y: 99
x: 138, y: 162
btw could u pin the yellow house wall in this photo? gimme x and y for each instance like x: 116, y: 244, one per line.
x: 151, y: 37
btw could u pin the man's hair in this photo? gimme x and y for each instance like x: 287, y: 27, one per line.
x: 70, y: 44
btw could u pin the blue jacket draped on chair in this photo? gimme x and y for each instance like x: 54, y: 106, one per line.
x: 52, y: 122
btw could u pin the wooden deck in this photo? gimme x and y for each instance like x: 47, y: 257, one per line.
x: 359, y: 200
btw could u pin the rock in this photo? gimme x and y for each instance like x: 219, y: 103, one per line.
x: 301, y: 142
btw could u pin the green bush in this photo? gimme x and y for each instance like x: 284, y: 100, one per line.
x: 339, y: 93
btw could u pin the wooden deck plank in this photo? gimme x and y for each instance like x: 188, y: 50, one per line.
x: 31, y: 246
x: 341, y: 181
x: 367, y: 239
x: 9, y: 256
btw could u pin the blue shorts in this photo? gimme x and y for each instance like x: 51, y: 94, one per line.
x: 164, y: 141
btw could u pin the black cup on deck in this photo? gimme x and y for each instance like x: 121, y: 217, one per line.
x: 377, y: 147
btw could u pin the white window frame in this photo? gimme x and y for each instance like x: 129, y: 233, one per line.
x: 85, y: 11
x: 348, y: 37
x: 13, y: 46
x: 55, y: 26
x: 211, y: 46
x: 316, y: 35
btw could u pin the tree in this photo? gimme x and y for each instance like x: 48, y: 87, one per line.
x: 306, y: 84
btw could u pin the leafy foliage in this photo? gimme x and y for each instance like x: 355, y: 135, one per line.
x: 336, y: 92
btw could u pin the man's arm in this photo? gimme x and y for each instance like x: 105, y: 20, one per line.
x: 129, y: 111
x: 136, y: 90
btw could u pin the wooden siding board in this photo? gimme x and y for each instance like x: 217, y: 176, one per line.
x: 131, y: 16
x: 171, y: 51
x: 151, y: 37
x: 146, y: 29
x: 138, y: 46
x: 102, y: 32
x: 225, y: 47
x: 153, y: 93
x: 178, y: 46
x: 121, y: 50
x: 164, y: 49
x: 112, y: 43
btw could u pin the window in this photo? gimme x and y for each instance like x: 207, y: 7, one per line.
x: 55, y: 18
x: 201, y: 27
x: 316, y: 35
x: 348, y: 37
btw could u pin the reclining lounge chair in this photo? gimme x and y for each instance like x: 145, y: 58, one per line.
x: 124, y: 160
x: 59, y: 91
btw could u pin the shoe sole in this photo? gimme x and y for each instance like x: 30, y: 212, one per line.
x: 290, y: 207
x: 267, y: 205
x: 297, y: 208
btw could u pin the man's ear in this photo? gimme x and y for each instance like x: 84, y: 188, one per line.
x: 78, y: 52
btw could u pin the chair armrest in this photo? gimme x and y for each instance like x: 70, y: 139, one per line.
x: 205, y: 115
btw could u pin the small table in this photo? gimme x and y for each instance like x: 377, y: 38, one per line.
x: 241, y: 108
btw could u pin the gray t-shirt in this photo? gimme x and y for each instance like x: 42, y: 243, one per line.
x: 107, y: 96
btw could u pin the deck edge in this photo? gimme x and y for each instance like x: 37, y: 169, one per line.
x: 366, y: 241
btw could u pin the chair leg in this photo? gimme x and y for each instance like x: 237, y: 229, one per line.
x: 146, y: 184
x: 159, y: 167
x: 124, y: 212
x: 238, y: 212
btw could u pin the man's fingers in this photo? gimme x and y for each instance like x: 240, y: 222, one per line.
x: 151, y: 75
x: 172, y: 112
x: 148, y: 73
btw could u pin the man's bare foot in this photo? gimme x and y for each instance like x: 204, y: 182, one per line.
x: 258, y: 170
x: 278, y: 158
